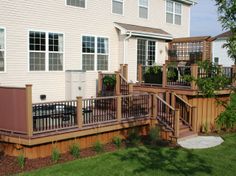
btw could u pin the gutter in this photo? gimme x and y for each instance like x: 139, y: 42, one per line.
x: 125, y: 41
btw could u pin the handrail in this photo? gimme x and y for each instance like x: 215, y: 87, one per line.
x: 165, y: 103
x: 123, y: 78
x: 183, y: 100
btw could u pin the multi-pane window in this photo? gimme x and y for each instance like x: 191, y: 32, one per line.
x: 146, y: 52
x: 95, y: 53
x: 173, y: 12
x: 46, y: 49
x: 76, y: 3
x: 143, y: 9
x: 117, y: 6
x: 2, y: 50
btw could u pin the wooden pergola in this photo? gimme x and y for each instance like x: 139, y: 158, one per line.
x: 190, y: 50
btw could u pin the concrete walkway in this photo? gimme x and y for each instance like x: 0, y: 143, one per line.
x: 201, y: 142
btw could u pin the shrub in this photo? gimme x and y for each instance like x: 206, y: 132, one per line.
x: 75, y: 150
x: 55, y: 155
x: 133, y: 138
x: 21, y: 161
x: 154, y: 135
x: 227, y: 119
x: 98, y: 147
x: 117, y: 141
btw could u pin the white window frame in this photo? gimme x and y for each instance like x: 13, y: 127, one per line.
x: 147, y: 7
x: 95, y: 53
x: 174, y: 13
x: 46, y: 51
x: 123, y: 7
x: 71, y: 6
x: 5, y: 49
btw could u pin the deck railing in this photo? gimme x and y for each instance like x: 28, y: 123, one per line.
x: 124, y: 85
x: 152, y: 75
x: 54, y: 116
x: 135, y: 106
x: 99, y: 110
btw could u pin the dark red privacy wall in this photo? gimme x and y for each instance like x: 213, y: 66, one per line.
x: 13, y: 109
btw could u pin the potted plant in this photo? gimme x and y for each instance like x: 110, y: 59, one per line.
x: 109, y: 82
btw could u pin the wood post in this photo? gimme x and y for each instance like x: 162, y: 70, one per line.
x: 177, y: 118
x: 131, y: 88
x: 234, y: 75
x: 150, y: 106
x: 164, y: 76
x: 99, y: 82
x: 79, y: 112
x: 117, y: 83
x: 119, y: 110
x: 140, y: 73
x: 194, y: 74
x: 194, y: 119
x: 29, y: 110
x: 154, y: 106
x: 173, y: 99
x: 125, y: 71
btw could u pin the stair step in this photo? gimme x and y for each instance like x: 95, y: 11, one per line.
x: 187, y: 135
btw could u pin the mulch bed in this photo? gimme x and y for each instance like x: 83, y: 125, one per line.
x: 9, y: 165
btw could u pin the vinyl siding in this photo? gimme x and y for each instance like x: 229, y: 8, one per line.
x: 18, y: 17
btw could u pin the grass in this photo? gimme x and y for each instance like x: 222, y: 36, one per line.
x: 154, y: 161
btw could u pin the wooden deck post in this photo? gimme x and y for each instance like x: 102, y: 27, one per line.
x: 29, y: 110
x: 117, y: 83
x: 125, y: 71
x: 99, y: 82
x: 119, y: 110
x: 140, y: 73
x: 234, y: 75
x: 194, y: 74
x: 194, y: 119
x: 131, y: 88
x: 164, y: 76
x: 154, y: 106
x: 79, y: 112
x: 177, y: 118
x: 173, y: 99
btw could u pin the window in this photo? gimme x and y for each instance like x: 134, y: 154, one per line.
x: 117, y: 6
x: 173, y: 12
x: 43, y: 52
x: 146, y: 52
x: 143, y: 9
x: 76, y: 3
x: 2, y: 50
x: 216, y: 60
x: 95, y: 53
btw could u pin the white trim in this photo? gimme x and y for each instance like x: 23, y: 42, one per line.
x: 5, y: 50
x: 147, y: 7
x: 76, y: 7
x: 123, y: 7
x: 46, y: 51
x: 95, y: 53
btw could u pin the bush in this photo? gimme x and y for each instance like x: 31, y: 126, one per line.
x: 133, y: 138
x: 98, y: 147
x: 117, y: 141
x: 75, y: 150
x: 227, y: 119
x: 154, y: 135
x: 55, y: 155
x: 21, y: 161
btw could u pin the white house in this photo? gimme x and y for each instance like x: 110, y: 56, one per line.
x: 219, y: 53
x: 59, y: 46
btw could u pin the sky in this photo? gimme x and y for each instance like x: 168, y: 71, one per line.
x: 204, y: 19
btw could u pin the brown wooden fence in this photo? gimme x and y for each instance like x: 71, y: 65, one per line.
x: 13, y: 110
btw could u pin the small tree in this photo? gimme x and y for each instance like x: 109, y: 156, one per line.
x: 227, y: 17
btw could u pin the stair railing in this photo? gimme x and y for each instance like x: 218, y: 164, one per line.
x: 186, y: 110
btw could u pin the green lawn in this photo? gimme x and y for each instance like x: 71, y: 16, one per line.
x: 146, y: 161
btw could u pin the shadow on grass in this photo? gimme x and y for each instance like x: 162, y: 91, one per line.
x: 170, y: 161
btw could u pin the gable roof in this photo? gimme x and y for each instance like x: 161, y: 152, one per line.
x: 223, y: 35
x: 143, y: 31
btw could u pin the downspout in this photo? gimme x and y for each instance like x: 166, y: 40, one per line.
x: 126, y: 38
